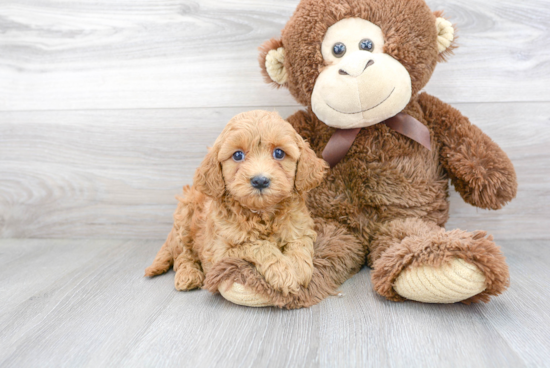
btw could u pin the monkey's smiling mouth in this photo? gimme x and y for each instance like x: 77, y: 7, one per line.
x: 362, y: 111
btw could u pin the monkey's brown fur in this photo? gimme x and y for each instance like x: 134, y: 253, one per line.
x: 224, y: 217
x: 389, y: 192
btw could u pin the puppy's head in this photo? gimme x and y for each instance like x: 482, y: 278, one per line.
x: 259, y: 159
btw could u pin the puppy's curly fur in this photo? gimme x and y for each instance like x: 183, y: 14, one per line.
x: 223, y: 216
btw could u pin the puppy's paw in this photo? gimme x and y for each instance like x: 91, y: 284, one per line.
x: 188, y: 279
x: 304, y: 273
x: 282, y: 278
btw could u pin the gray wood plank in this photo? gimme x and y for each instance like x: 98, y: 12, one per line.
x: 92, y: 305
x: 102, y: 312
x: 63, y: 256
x: 32, y: 286
x: 106, y: 162
x: 522, y: 313
x: 67, y: 54
x: 115, y: 173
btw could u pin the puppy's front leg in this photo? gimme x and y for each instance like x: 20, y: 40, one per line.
x: 277, y: 269
x: 188, y: 269
x: 300, y: 254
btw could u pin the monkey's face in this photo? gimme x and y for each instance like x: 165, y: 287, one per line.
x: 357, y: 62
x: 360, y: 84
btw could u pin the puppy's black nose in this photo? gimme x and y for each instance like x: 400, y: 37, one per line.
x: 260, y: 182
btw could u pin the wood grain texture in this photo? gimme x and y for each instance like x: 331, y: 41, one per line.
x: 85, y: 303
x: 106, y: 109
x: 114, y: 174
x: 127, y: 54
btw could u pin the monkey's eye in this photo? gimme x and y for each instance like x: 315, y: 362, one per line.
x: 278, y: 154
x: 339, y: 49
x: 238, y: 156
x: 366, y: 45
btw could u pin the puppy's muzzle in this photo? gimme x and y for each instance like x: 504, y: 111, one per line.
x: 260, y: 182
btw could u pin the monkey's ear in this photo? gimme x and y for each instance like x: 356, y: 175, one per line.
x: 272, y: 62
x: 311, y: 170
x: 208, y: 177
x: 445, y: 36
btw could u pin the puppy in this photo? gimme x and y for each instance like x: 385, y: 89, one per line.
x: 248, y: 202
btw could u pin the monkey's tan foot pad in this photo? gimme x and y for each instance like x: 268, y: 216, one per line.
x: 450, y: 283
x: 239, y: 294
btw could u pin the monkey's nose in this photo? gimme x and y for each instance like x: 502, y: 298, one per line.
x: 354, y: 71
x: 260, y: 182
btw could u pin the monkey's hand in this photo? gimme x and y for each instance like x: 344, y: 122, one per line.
x: 479, y: 169
x: 482, y: 173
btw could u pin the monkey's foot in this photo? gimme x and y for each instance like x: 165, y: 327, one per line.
x: 438, y: 266
x: 239, y: 294
x: 451, y: 283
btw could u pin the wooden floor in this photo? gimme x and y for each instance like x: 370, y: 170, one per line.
x: 106, y: 109
x: 75, y: 303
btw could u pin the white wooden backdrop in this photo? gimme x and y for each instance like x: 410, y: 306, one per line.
x: 106, y: 107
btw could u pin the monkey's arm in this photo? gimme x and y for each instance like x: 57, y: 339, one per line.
x: 304, y: 124
x: 479, y: 169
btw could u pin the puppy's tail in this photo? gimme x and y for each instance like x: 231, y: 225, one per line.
x: 164, y: 259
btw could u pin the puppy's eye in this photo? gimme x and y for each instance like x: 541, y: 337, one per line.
x: 366, y: 45
x: 278, y: 154
x: 238, y: 156
x: 339, y: 49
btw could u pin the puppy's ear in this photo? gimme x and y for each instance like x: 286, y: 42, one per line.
x: 272, y: 62
x: 208, y: 177
x: 311, y: 170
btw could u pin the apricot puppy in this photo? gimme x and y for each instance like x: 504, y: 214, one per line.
x: 248, y: 202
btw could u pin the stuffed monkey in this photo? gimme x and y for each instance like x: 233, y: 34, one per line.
x: 359, y: 67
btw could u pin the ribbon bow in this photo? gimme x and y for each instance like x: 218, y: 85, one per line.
x: 342, y: 140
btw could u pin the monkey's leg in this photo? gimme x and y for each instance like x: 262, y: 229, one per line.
x: 417, y: 260
x: 337, y: 256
